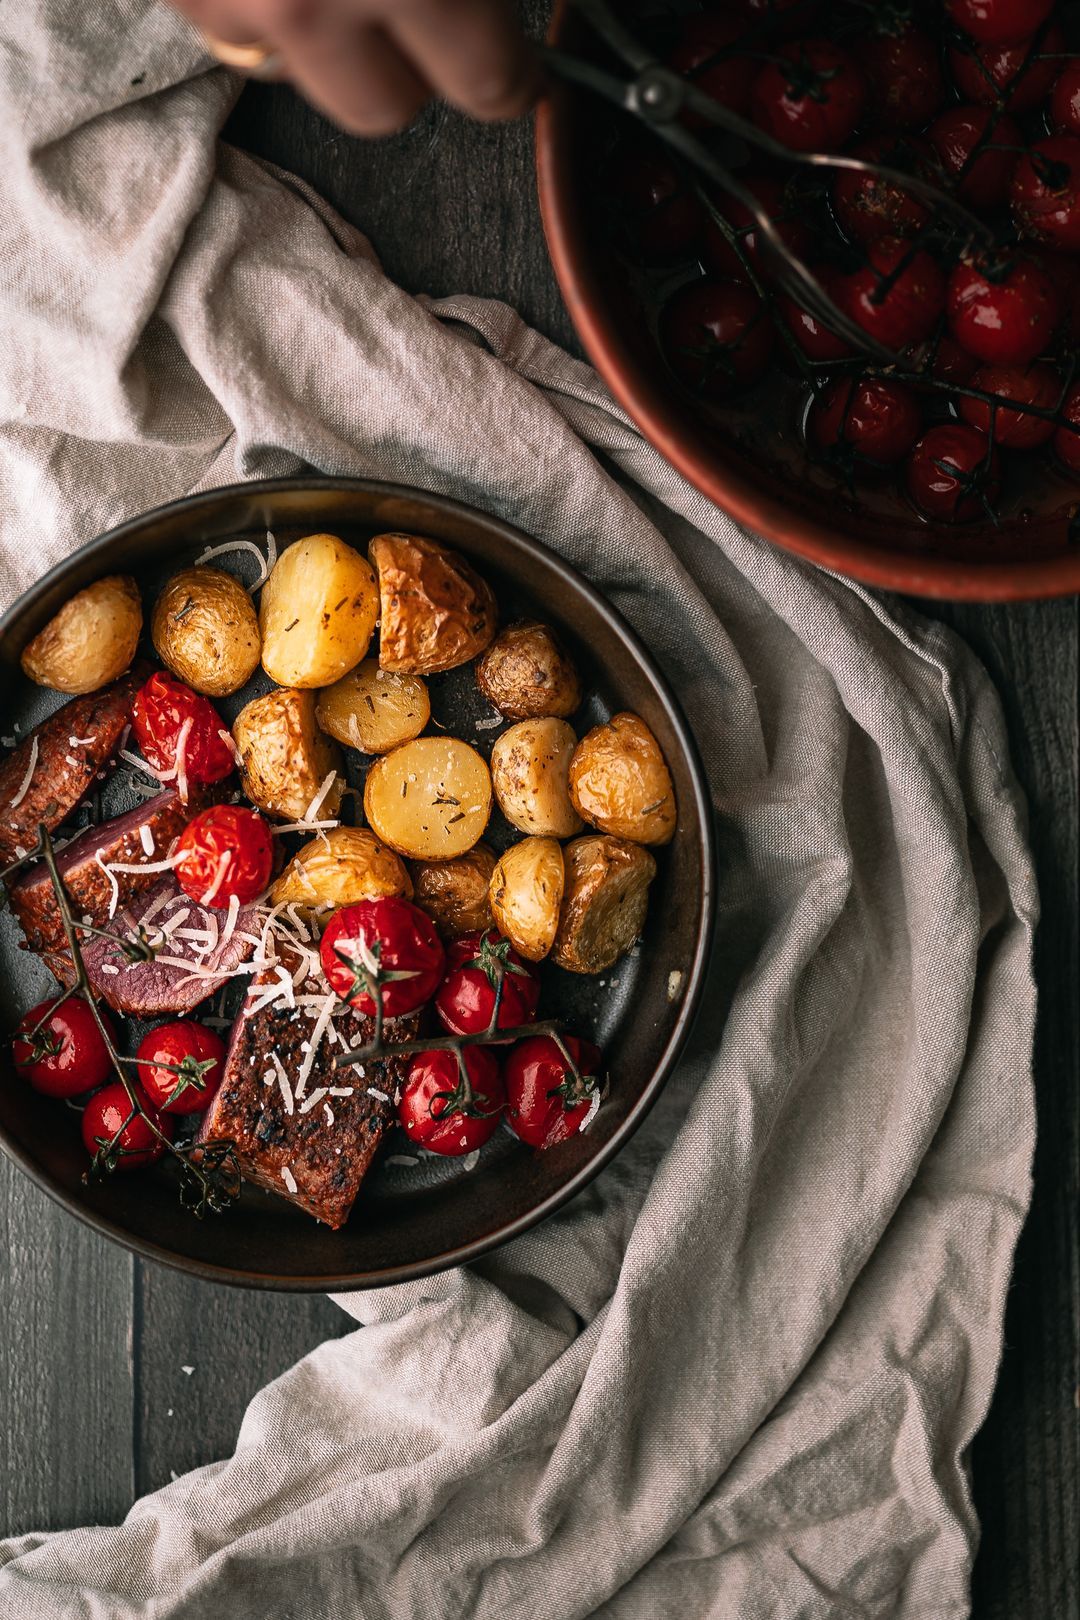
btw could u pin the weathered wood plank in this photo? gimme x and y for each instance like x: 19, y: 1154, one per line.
x: 66, y: 1354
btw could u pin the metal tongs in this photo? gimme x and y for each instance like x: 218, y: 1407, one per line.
x: 658, y: 96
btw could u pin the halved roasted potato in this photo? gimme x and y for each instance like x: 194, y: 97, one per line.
x: 205, y: 630
x: 430, y: 798
x: 374, y: 709
x: 604, y: 902
x: 90, y: 641
x: 339, y: 867
x: 529, y: 770
x: 620, y: 783
x: 317, y: 612
x: 455, y: 893
x: 435, y: 611
x: 526, y: 673
x: 526, y: 894
x: 285, y: 758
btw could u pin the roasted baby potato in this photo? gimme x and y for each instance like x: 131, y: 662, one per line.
x: 430, y: 798
x: 339, y: 867
x: 529, y: 765
x: 525, y: 673
x: 455, y: 893
x: 604, y: 902
x: 317, y: 612
x: 620, y: 783
x: 285, y: 758
x: 526, y: 894
x: 205, y: 630
x: 91, y: 640
x: 435, y: 612
x: 374, y: 709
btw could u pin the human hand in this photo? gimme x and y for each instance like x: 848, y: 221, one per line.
x: 372, y: 64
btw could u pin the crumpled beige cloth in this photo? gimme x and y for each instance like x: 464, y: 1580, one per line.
x: 738, y: 1376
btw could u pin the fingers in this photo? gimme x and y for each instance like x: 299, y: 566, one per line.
x: 470, y: 51
x: 350, y: 69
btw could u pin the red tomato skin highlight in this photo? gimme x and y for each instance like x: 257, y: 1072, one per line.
x: 161, y: 708
x: 82, y: 1061
x: 170, y: 1044
x: 424, y: 1115
x: 407, y: 943
x: 225, y: 830
x: 104, y: 1115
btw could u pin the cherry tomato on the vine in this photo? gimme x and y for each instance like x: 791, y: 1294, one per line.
x: 546, y: 1101
x: 59, y: 1049
x: 449, y: 1111
x: 1028, y: 385
x: 706, y: 54
x: 999, y: 22
x: 1003, y: 314
x: 476, y: 966
x: 902, y: 66
x: 180, y: 1066
x: 956, y: 134
x: 387, y: 941
x: 816, y: 340
x: 897, y: 297
x: 1016, y: 76
x: 952, y: 473
x: 809, y: 97
x: 109, y: 1112
x: 166, y: 710
x: 225, y: 850
x: 1045, y: 192
x: 656, y: 206
x: 1065, y: 100
x: 719, y: 255
x: 875, y: 419
x: 867, y: 205
x: 717, y: 337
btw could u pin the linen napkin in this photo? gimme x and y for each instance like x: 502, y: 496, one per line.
x: 738, y: 1376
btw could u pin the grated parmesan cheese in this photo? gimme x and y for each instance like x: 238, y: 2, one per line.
x: 181, y: 759
x: 24, y: 786
x: 144, y: 766
x: 321, y: 1025
x: 264, y: 562
x: 591, y: 1115
x: 401, y: 1158
x: 288, y: 1178
x: 313, y: 1099
x: 146, y: 839
x: 381, y: 1096
x: 114, y: 887
x: 471, y: 1160
x: 224, y: 862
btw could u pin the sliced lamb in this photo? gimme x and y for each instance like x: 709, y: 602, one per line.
x: 277, y: 1100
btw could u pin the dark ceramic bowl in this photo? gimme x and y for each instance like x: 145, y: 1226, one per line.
x: 749, y: 457
x: 406, y: 1222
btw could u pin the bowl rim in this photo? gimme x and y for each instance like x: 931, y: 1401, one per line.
x: 696, y: 973
x: 659, y: 419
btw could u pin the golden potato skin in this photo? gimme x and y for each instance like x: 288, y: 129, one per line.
x: 340, y: 867
x: 526, y: 673
x: 374, y: 709
x: 430, y: 799
x: 317, y: 612
x: 455, y: 893
x: 90, y: 641
x: 620, y: 783
x: 604, y: 902
x: 206, y: 631
x: 435, y: 611
x: 526, y: 895
x: 284, y: 757
x: 529, y: 772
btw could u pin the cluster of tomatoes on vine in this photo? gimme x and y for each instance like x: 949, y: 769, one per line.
x: 980, y: 98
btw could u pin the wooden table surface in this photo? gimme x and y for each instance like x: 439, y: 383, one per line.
x: 96, y: 1406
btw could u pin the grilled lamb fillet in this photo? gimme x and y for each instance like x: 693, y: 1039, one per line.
x: 325, y: 1158
x: 65, y: 771
x: 79, y: 865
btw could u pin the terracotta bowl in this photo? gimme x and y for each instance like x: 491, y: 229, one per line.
x: 407, y: 1222
x: 763, y: 478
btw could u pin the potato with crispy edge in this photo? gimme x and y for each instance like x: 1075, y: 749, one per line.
x: 526, y: 894
x: 206, y: 631
x: 340, y: 867
x: 374, y: 709
x: 435, y: 611
x: 620, y: 782
x: 526, y: 673
x: 90, y: 641
x: 455, y: 893
x: 604, y: 901
x: 530, y: 763
x: 429, y: 799
x: 317, y: 612
x: 285, y: 758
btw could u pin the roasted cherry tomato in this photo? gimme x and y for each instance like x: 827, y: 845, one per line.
x: 706, y: 53
x: 897, y: 297
x: 809, y: 97
x: 717, y: 337
x: 1028, y: 385
x: 166, y: 712
x: 388, y: 937
x: 58, y: 1047
x: 817, y: 341
x: 902, y: 67
x: 108, y: 1112
x: 547, y: 1097
x: 867, y: 206
x: 999, y: 22
x: 1016, y: 76
x: 1045, y: 192
x: 447, y: 1110
x: 952, y: 473
x: 876, y: 421
x: 226, y: 850
x: 1003, y: 314
x: 476, y: 965
x: 954, y: 136
x: 719, y: 255
x: 180, y: 1066
x: 1067, y: 442
x: 656, y: 208
x: 1065, y: 100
